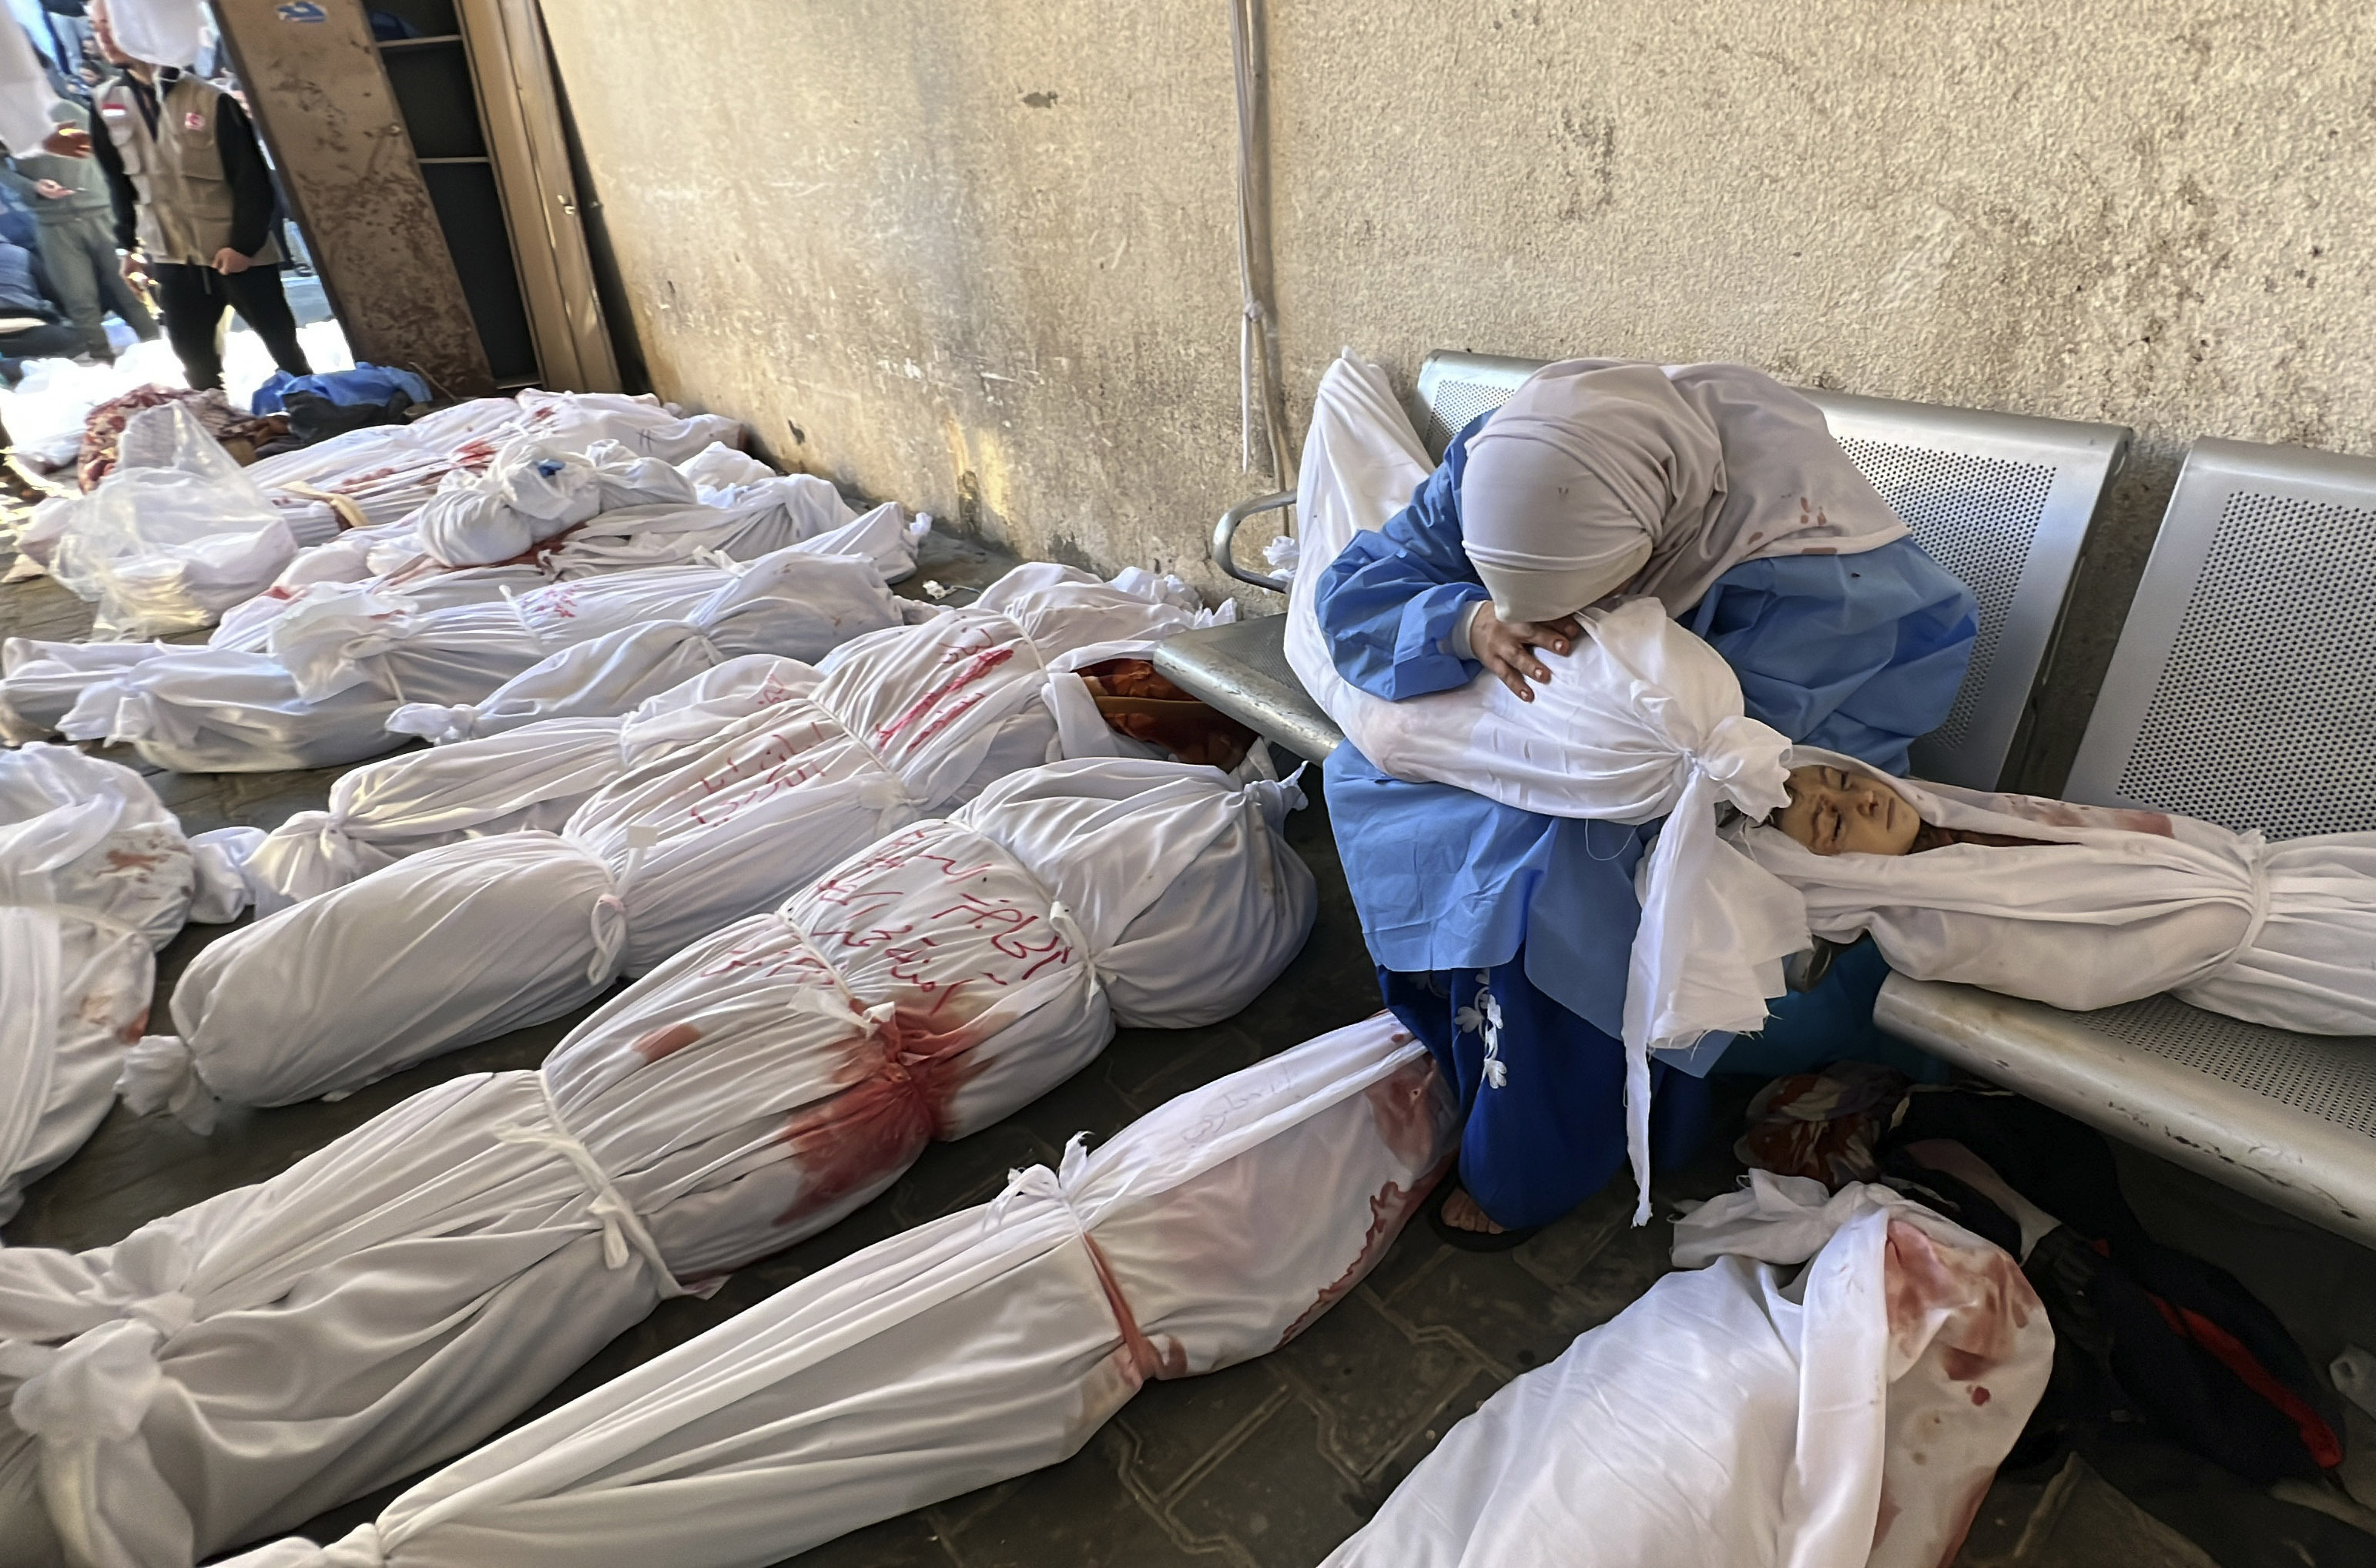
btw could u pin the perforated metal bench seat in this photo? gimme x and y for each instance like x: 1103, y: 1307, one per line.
x: 2243, y: 692
x: 2289, y: 1118
x: 1243, y: 671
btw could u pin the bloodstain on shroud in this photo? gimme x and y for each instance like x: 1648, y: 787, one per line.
x: 1416, y: 1115
x: 1964, y: 1307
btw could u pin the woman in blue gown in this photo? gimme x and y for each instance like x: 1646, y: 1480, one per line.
x: 1501, y: 937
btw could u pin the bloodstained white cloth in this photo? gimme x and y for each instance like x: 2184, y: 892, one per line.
x: 2108, y: 906
x: 470, y: 939
x: 1750, y: 1413
x: 514, y: 780
x: 966, y: 1351
x: 237, y: 1366
x: 1642, y: 720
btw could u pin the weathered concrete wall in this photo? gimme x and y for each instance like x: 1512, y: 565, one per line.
x: 983, y: 257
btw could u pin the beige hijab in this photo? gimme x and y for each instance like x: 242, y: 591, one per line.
x: 1599, y: 477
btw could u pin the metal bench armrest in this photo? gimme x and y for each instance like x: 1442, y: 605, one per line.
x: 1224, y: 538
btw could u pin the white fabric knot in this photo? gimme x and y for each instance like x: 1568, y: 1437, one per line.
x: 1038, y: 1182
x: 1028, y: 1181
x: 437, y: 724
x: 1059, y: 915
x: 97, y: 1387
x: 1748, y: 759
x: 624, y: 1232
x: 887, y: 795
x: 609, y: 926
x: 160, y: 1073
x: 2253, y: 846
x: 221, y: 885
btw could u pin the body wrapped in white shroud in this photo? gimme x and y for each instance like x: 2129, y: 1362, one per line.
x: 966, y: 1351
x: 237, y: 1366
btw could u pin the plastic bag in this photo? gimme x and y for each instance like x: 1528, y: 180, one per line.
x: 176, y: 534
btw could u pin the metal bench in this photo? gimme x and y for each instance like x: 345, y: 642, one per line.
x: 2243, y: 692
x: 2004, y: 502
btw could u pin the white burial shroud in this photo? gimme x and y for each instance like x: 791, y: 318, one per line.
x: 514, y: 780
x: 611, y: 674
x: 2111, y: 906
x: 342, y: 660
x: 179, y: 535
x: 235, y: 1369
x: 95, y: 877
x: 390, y: 472
x: 1640, y: 720
x: 1750, y: 1413
x: 471, y: 940
x: 966, y: 1351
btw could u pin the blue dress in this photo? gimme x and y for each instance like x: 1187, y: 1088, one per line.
x: 1465, y: 902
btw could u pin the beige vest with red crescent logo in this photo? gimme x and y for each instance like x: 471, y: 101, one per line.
x: 185, y: 202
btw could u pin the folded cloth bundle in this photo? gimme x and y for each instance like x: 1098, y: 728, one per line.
x: 967, y: 1352
x: 233, y: 1369
x: 466, y: 942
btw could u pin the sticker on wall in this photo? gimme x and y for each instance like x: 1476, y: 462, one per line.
x: 301, y: 11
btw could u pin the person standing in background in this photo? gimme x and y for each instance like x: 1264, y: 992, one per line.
x: 29, y: 327
x: 71, y: 199
x: 195, y: 209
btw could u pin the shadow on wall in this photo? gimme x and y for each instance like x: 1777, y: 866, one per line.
x: 2118, y: 546
x: 610, y: 286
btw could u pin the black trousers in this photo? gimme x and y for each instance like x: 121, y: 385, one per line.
x: 194, y: 299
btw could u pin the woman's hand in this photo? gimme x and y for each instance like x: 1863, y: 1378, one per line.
x: 1504, y: 648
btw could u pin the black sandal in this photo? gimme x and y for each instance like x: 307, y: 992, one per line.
x: 1452, y: 1235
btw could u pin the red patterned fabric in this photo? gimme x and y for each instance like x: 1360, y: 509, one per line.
x: 103, y: 430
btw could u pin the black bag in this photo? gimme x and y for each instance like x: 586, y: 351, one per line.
x: 2140, y: 1329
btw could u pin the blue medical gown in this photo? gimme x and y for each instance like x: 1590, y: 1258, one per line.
x: 1457, y: 894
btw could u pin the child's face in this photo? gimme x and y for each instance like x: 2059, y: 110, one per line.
x: 1835, y: 812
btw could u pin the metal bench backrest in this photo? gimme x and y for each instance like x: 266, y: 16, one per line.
x: 2003, y: 501
x: 2242, y: 691
x: 2243, y: 688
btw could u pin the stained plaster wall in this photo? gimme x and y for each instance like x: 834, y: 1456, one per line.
x: 983, y: 257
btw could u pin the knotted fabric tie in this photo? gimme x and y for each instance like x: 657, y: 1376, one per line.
x: 2255, y: 847
x: 97, y: 1387
x: 624, y: 1232
x: 1038, y: 1182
